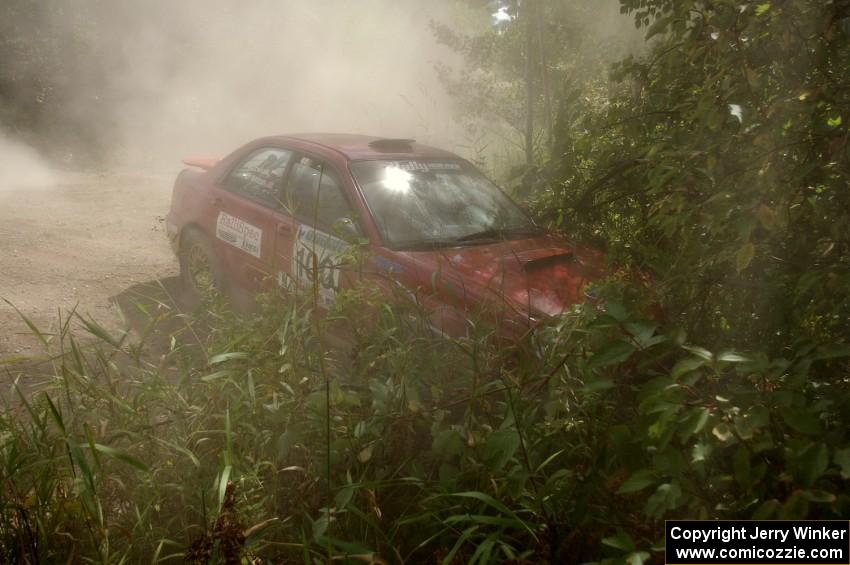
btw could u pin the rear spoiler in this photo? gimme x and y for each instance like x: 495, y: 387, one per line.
x: 205, y: 163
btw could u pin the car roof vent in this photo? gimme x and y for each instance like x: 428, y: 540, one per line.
x: 392, y: 144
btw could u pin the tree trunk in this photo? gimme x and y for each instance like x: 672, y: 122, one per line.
x: 529, y: 83
x: 544, y: 79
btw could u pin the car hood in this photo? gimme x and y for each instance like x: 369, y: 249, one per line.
x: 538, y: 276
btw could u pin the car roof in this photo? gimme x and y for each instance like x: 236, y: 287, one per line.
x: 356, y: 147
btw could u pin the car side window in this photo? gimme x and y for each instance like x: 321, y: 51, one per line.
x: 260, y: 176
x: 315, y: 194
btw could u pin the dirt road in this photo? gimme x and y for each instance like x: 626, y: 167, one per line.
x: 80, y: 241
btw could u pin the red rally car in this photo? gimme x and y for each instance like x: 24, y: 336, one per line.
x: 427, y: 220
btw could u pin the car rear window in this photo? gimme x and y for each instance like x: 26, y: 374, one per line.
x: 315, y: 195
x: 259, y: 176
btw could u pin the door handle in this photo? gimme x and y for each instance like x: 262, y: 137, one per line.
x: 284, y: 229
x: 216, y: 201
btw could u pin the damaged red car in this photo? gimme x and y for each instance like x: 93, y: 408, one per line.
x: 425, y: 219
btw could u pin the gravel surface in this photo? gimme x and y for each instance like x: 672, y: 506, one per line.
x: 82, y: 241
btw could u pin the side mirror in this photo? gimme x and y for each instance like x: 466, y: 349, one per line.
x: 347, y: 230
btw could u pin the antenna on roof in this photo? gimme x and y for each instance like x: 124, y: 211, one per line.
x: 388, y: 144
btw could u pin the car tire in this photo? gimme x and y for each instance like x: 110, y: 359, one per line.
x: 200, y: 270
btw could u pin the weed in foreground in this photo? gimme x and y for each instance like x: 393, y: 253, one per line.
x: 409, y: 447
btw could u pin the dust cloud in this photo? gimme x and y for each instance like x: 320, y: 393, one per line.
x: 102, y: 99
x: 142, y: 83
x: 22, y: 168
x: 114, y: 93
x: 204, y: 76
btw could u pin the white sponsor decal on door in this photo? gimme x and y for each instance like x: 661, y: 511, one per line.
x: 329, y: 251
x: 239, y: 234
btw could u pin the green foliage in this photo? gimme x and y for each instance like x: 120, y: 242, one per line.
x: 518, y: 74
x: 719, y: 164
x: 576, y: 444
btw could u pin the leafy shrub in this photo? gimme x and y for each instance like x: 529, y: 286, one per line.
x: 572, y: 447
x: 719, y: 162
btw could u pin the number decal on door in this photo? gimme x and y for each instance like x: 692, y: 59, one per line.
x: 328, y: 251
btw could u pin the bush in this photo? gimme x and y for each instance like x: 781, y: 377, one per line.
x: 572, y: 447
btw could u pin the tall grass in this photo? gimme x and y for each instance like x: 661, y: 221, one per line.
x: 248, y: 437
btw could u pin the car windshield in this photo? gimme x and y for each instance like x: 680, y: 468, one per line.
x: 422, y: 203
